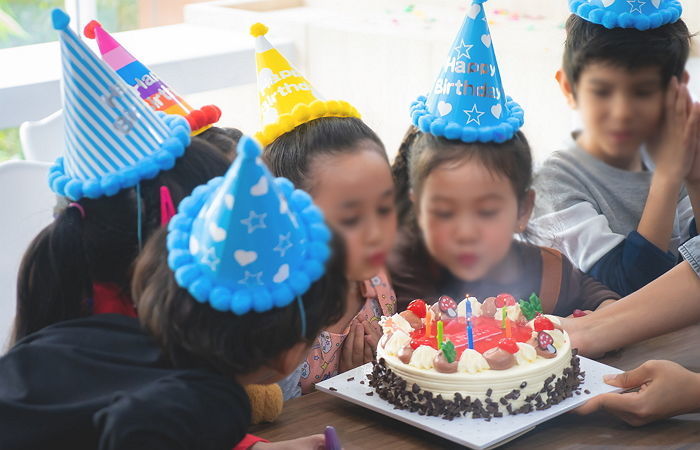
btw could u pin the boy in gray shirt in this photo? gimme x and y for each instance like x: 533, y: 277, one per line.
x: 615, y: 211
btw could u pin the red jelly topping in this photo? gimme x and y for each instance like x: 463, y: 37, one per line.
x: 504, y: 300
x: 509, y: 345
x: 542, y: 323
x: 487, y: 332
x: 417, y: 307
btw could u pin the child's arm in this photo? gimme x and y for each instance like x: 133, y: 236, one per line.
x: 673, y: 154
x: 582, y: 234
x: 664, y: 305
x: 692, y: 181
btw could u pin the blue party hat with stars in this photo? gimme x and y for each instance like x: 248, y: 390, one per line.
x: 247, y: 241
x: 467, y: 101
x: 113, y: 139
x: 639, y: 14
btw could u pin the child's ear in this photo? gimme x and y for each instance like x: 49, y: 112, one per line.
x: 525, y: 211
x: 566, y: 88
x: 685, y: 77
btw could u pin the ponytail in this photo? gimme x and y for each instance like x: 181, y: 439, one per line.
x: 401, y: 172
x: 54, y: 279
x: 63, y: 262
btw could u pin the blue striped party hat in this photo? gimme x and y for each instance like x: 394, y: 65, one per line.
x: 640, y: 14
x: 113, y: 139
x: 247, y: 241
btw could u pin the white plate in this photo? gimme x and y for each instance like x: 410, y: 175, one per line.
x: 473, y: 433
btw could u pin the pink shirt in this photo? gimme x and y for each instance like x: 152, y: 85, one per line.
x: 323, y: 359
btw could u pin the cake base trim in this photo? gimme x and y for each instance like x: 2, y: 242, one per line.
x: 394, y: 389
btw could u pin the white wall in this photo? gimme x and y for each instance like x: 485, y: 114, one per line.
x: 379, y: 56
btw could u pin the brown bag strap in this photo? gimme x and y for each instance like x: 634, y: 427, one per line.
x: 551, y: 278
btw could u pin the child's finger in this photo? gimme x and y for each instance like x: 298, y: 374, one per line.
x: 631, y: 379
x: 358, y: 345
x: 682, y: 101
x: 346, y: 355
x: 370, y: 329
x: 368, y: 353
x: 671, y: 94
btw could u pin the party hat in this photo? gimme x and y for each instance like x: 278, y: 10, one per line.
x: 287, y: 99
x: 247, y: 240
x: 113, y: 140
x: 639, y: 14
x: 468, y: 102
x: 150, y: 87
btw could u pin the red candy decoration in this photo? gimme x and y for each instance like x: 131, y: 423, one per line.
x: 417, y: 307
x: 542, y: 323
x: 504, y: 300
x: 448, y: 306
x: 509, y: 345
x: 579, y: 313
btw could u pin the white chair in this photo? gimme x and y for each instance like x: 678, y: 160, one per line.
x: 43, y: 140
x: 26, y: 205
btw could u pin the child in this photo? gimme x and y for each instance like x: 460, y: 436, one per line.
x: 219, y: 308
x: 464, y: 182
x: 614, y: 201
x: 341, y: 162
x: 121, y: 176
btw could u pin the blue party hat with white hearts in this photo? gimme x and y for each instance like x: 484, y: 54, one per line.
x: 639, y: 14
x: 113, y: 139
x: 247, y: 241
x: 467, y: 101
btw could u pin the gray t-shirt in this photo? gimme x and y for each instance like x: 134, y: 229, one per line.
x: 585, y: 207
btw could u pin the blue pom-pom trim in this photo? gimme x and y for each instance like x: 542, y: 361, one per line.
x: 437, y: 126
x: 600, y: 15
x: 162, y: 159
x: 203, y: 288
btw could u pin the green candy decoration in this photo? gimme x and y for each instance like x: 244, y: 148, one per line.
x: 531, y: 307
x: 448, y: 349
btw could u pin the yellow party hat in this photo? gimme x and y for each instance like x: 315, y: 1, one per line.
x: 287, y: 99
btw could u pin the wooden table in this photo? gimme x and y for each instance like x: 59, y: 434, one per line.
x: 360, y: 428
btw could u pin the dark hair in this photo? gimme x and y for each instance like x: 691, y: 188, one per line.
x: 194, y: 335
x: 666, y: 47
x: 69, y: 255
x: 291, y: 154
x: 414, y: 273
x: 224, y: 138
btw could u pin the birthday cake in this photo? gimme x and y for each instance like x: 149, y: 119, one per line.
x: 475, y: 359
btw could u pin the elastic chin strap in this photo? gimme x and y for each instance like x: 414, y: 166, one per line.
x: 139, y: 231
x: 302, y: 316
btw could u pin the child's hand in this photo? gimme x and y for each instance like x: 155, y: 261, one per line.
x: 313, y: 442
x: 353, y: 352
x: 666, y: 389
x: 373, y: 332
x: 673, y: 149
x: 693, y: 177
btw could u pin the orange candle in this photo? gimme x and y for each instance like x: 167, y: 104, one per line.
x: 429, y: 323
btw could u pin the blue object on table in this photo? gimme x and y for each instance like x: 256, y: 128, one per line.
x: 332, y: 440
